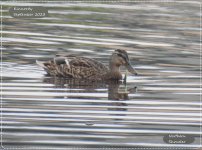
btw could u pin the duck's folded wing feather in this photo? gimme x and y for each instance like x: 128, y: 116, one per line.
x: 88, y: 62
x: 74, y: 67
x: 87, y: 68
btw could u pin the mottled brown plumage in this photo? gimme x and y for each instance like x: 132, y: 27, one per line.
x: 86, y: 68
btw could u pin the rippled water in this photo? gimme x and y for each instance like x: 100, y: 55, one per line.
x: 163, y: 42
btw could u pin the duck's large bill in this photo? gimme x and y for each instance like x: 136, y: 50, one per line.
x: 131, y: 69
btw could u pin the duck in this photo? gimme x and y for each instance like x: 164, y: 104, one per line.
x: 77, y: 67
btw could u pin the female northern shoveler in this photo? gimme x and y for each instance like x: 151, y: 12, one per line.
x: 87, y: 68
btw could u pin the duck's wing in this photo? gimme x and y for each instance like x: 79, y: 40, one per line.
x: 74, y: 67
x: 88, y: 68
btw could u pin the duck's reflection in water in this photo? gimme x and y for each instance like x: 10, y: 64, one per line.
x: 118, y: 93
x: 73, y: 84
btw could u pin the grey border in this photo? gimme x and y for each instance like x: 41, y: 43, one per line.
x: 109, y: 1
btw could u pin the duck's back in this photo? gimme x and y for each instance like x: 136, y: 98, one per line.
x: 75, y: 67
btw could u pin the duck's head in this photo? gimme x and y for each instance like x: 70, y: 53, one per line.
x: 120, y: 58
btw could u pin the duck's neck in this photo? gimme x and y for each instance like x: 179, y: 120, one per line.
x: 113, y: 67
x: 114, y: 71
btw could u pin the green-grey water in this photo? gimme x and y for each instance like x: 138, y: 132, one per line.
x: 163, y: 43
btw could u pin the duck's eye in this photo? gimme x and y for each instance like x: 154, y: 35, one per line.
x: 119, y: 55
x: 122, y: 56
x: 118, y: 50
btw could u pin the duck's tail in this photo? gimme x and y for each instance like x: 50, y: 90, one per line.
x: 55, y: 67
x: 41, y: 63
